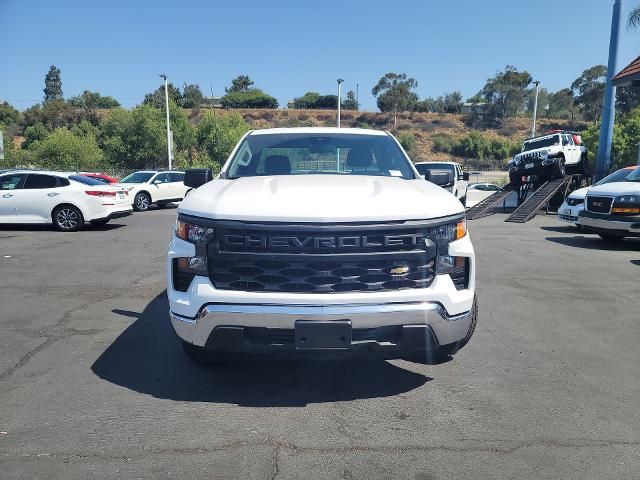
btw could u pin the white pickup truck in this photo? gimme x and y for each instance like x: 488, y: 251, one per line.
x: 321, y: 242
x: 454, y: 181
x: 549, y: 156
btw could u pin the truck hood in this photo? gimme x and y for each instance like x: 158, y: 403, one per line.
x: 616, y: 188
x: 579, y: 193
x: 320, y: 198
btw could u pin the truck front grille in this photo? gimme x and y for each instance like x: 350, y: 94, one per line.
x: 599, y: 204
x: 281, y: 258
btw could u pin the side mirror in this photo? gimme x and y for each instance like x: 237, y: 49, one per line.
x: 441, y: 178
x: 156, y: 182
x: 465, y: 176
x: 196, y: 177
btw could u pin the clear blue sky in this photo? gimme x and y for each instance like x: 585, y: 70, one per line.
x: 289, y: 47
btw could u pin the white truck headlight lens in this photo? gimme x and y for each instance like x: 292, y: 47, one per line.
x: 449, y: 232
x: 456, y: 267
x: 200, y: 236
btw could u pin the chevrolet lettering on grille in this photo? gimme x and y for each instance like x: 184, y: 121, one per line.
x: 324, y: 242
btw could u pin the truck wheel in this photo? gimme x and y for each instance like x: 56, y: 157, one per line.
x: 559, y: 169
x: 610, y: 238
x: 472, y: 327
x: 142, y: 202
x: 516, y: 180
x: 67, y: 218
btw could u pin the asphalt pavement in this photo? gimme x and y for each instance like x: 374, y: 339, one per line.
x: 94, y: 384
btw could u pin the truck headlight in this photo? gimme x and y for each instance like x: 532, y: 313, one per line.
x: 626, y: 205
x: 200, y: 236
x: 456, y: 267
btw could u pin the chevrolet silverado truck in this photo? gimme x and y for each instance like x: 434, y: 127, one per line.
x: 549, y: 156
x: 320, y: 242
x: 612, y: 210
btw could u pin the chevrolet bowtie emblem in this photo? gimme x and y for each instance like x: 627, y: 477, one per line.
x: 399, y: 270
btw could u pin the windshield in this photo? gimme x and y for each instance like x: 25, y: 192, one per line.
x: 541, y: 142
x: 85, y: 180
x: 424, y: 168
x: 138, y: 177
x: 633, y: 176
x: 617, y: 176
x: 313, y: 154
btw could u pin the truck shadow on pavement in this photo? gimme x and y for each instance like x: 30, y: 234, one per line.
x: 147, y: 358
x: 596, y: 243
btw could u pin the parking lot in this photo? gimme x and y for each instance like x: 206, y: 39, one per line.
x: 93, y: 382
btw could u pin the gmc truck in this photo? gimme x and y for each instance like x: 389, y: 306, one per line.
x: 320, y: 242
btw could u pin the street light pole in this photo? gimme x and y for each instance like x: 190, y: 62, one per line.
x: 166, y: 103
x: 535, y: 109
x: 339, y: 95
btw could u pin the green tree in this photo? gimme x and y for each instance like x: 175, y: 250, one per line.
x: 627, y: 98
x: 217, y: 134
x: 242, y: 83
x: 184, y: 135
x: 350, y: 103
x: 62, y: 150
x: 91, y: 100
x: 408, y: 141
x: 308, y: 100
x: 561, y: 104
x: 430, y: 105
x: 394, y: 94
x: 192, y: 96
x: 507, y: 92
x: 135, y: 138
x: 250, y: 99
x: 52, y: 84
x: 589, y: 90
x: 157, y: 97
x: 35, y: 133
x: 9, y: 115
x: 452, y: 102
x: 626, y: 133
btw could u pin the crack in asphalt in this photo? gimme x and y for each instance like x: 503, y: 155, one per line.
x: 279, y: 446
x: 51, y: 338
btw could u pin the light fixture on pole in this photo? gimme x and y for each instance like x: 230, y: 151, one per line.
x: 166, y: 102
x: 340, y: 81
x: 535, y: 109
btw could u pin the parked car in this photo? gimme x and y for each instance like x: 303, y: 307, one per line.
x: 612, y: 210
x: 320, y: 241
x: 569, y: 211
x: 549, y: 156
x: 147, y: 187
x: 457, y: 181
x: 477, y: 192
x: 67, y: 201
x: 102, y: 177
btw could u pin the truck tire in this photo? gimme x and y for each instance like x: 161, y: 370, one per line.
x: 472, y: 327
x: 516, y: 180
x: 559, y: 169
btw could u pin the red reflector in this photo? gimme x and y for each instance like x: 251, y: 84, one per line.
x: 100, y: 193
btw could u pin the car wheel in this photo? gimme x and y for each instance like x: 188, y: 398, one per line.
x: 559, y: 169
x: 611, y: 238
x: 142, y: 202
x: 99, y: 223
x: 579, y: 227
x: 67, y: 218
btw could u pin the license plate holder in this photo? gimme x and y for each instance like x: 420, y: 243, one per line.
x: 323, y: 335
x: 529, y: 166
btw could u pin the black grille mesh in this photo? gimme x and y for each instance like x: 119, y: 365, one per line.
x: 599, y: 204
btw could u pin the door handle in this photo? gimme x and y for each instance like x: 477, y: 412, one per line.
x: 52, y: 194
x: 7, y: 195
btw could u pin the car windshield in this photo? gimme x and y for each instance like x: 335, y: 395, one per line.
x: 541, y: 142
x: 633, y: 176
x: 313, y: 154
x: 617, y: 176
x: 85, y: 180
x: 137, y: 177
x: 431, y: 167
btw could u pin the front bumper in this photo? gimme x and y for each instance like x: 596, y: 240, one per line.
x: 570, y: 214
x: 387, y: 329
x: 612, y: 224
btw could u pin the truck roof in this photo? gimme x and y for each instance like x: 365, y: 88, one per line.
x: 321, y: 130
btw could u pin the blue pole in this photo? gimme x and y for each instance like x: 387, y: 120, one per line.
x: 603, y: 159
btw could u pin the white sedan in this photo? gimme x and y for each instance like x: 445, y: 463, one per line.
x: 569, y: 211
x: 477, y: 192
x: 66, y: 200
x: 147, y: 187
